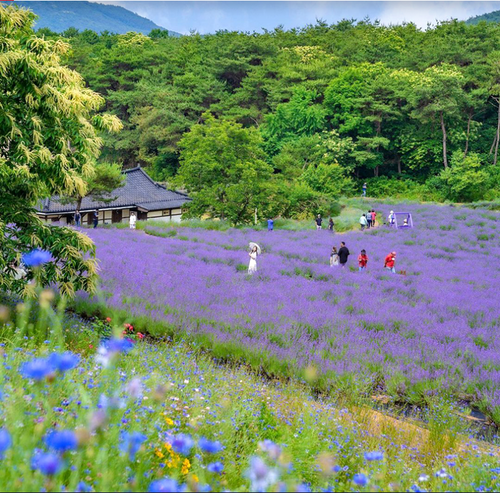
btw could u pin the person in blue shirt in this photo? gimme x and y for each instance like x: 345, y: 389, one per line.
x: 364, y: 189
x: 270, y: 224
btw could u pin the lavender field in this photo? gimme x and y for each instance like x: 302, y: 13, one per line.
x: 433, y: 331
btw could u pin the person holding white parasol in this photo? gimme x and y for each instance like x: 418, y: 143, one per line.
x: 254, y: 251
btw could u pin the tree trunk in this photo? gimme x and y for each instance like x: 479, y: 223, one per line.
x: 469, y: 119
x: 79, y: 203
x: 399, y: 165
x: 498, y: 134
x: 375, y: 171
x: 493, y: 145
x: 443, y: 128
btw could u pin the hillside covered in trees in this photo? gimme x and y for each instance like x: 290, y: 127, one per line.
x: 489, y: 17
x: 307, y: 113
x: 59, y: 16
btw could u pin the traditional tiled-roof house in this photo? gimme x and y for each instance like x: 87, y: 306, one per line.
x: 148, y: 199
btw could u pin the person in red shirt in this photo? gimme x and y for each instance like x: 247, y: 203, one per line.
x: 390, y: 261
x: 362, y: 260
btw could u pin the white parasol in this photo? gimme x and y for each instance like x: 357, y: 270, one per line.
x: 252, y: 244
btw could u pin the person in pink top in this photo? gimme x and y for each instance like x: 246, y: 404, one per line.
x: 374, y: 217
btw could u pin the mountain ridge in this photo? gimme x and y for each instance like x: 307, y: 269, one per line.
x: 493, y: 16
x: 59, y: 16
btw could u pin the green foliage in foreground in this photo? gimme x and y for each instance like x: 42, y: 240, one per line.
x: 161, y: 389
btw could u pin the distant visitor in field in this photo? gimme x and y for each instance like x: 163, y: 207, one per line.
x: 343, y: 254
x: 254, y: 251
x: 390, y: 262
x: 95, y: 217
x: 374, y: 218
x: 363, y: 222
x: 270, y: 224
x: 369, y: 219
x: 364, y: 189
x: 391, y: 219
x: 318, y: 221
x: 132, y: 220
x: 77, y: 218
x: 334, y: 258
x: 362, y: 260
x: 405, y: 223
x: 330, y: 225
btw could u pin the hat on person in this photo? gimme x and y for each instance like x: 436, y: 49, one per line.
x: 393, y: 253
x: 392, y: 212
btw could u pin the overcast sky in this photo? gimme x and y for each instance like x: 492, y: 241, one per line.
x: 209, y: 16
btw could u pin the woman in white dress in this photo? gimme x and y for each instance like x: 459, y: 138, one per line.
x: 334, y: 258
x: 252, y: 266
x: 132, y: 220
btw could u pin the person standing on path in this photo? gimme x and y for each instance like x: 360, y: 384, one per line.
x: 390, y: 261
x: 343, y: 254
x: 362, y: 260
x: 364, y: 189
x: 318, y: 221
x: 78, y: 218
x: 374, y: 218
x: 95, y: 217
x: 330, y: 225
x: 363, y: 222
x: 270, y: 224
x: 334, y: 258
x: 369, y: 219
x: 132, y: 220
x: 252, y: 265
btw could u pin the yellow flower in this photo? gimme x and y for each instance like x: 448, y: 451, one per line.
x: 169, y: 421
x: 159, y: 453
x: 194, y: 477
x: 185, y: 466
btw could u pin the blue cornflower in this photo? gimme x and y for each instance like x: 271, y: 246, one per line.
x: 131, y: 443
x: 5, y: 441
x: 36, y: 257
x: 116, y: 345
x: 165, y: 485
x: 83, y: 487
x: 64, y: 361
x: 47, y: 463
x: 375, y: 455
x: 36, y: 369
x: 360, y: 479
x: 216, y: 467
x: 209, y: 447
x: 61, y: 441
x: 182, y: 444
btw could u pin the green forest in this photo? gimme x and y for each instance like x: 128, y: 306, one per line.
x: 290, y: 120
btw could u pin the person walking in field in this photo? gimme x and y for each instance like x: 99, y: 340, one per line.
x: 78, y: 218
x: 390, y: 262
x: 369, y: 219
x: 363, y: 222
x: 252, y: 265
x: 362, y: 260
x: 391, y: 219
x: 132, y: 220
x: 334, y: 258
x: 318, y: 221
x: 270, y: 224
x: 330, y: 225
x: 364, y: 189
x: 95, y: 217
x: 374, y: 218
x: 343, y: 254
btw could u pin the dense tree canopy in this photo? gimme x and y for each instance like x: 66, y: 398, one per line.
x: 48, y: 144
x: 401, y: 99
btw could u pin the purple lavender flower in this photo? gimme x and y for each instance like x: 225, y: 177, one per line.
x: 373, y: 456
x: 260, y: 475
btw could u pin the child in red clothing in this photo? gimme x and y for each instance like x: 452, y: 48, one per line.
x: 362, y: 260
x: 389, y: 262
